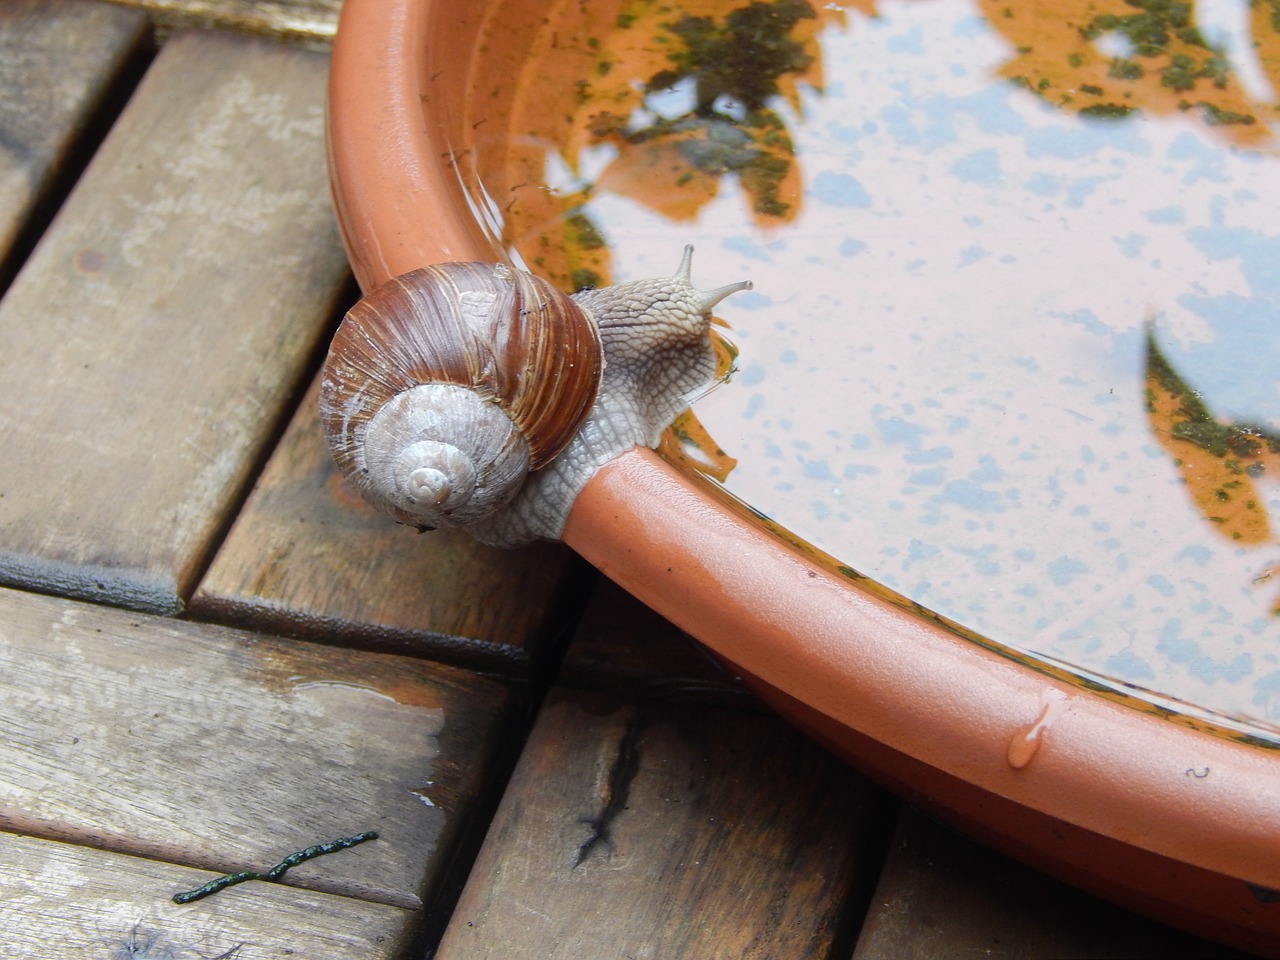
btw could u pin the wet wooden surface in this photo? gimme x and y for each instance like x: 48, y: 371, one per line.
x: 306, y: 21
x: 162, y: 324
x: 308, y: 558
x: 644, y: 828
x: 195, y: 743
x: 66, y: 900
x: 623, y: 645
x: 941, y: 895
x: 45, y: 114
x: 553, y: 770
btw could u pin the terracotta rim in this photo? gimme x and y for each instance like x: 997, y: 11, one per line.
x: 858, y: 661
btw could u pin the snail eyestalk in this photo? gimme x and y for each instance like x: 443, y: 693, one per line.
x: 712, y: 297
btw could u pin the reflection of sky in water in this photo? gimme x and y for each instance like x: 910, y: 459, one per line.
x: 942, y: 361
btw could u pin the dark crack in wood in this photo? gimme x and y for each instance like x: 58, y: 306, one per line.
x: 625, y: 766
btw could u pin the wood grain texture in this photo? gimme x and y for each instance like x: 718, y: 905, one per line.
x: 622, y: 645
x: 227, y: 751
x: 941, y: 895
x: 59, y: 60
x: 65, y: 901
x: 646, y: 829
x: 307, y: 557
x: 309, y: 21
x: 154, y: 339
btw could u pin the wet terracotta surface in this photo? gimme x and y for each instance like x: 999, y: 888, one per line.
x: 839, y: 658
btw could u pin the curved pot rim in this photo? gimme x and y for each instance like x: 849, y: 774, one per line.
x: 1052, y: 746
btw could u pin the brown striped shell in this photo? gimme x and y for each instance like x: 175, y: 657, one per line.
x: 445, y: 386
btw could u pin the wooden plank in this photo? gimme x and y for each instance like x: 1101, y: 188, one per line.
x: 307, y: 557
x: 59, y: 60
x: 623, y: 645
x: 941, y: 895
x: 654, y: 829
x: 67, y: 901
x: 225, y: 750
x: 309, y: 21
x: 153, y: 340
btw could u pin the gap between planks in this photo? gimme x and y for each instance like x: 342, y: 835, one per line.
x: 215, y: 748
x: 156, y: 338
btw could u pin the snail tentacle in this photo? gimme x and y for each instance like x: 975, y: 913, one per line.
x: 658, y: 352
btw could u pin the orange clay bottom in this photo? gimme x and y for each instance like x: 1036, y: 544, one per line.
x: 1181, y: 824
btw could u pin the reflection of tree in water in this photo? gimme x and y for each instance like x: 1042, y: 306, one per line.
x: 734, y: 67
x: 1111, y: 58
x: 689, y: 93
x: 727, y: 73
x: 742, y: 57
x: 1221, y: 463
x: 684, y: 95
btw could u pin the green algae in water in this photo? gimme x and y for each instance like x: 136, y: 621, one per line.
x: 741, y: 57
x: 1197, y: 424
x: 734, y: 65
x: 1151, y: 28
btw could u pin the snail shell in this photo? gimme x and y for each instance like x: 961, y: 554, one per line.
x: 447, y: 385
x: 478, y: 395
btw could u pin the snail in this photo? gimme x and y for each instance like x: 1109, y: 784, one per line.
x: 478, y: 395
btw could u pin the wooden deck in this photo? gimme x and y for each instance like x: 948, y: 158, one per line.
x: 211, y: 656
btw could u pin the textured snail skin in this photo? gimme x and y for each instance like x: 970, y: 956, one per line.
x: 658, y: 352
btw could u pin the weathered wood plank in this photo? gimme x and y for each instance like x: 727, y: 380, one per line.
x: 312, y: 21
x: 68, y: 901
x: 59, y: 60
x: 667, y: 830
x: 153, y: 340
x: 224, y: 750
x: 307, y: 557
x: 941, y: 895
x: 623, y: 645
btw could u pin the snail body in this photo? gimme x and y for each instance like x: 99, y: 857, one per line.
x: 478, y: 395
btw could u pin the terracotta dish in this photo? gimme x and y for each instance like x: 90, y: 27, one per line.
x: 1143, y: 808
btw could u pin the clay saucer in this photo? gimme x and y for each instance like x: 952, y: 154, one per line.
x: 1139, y: 806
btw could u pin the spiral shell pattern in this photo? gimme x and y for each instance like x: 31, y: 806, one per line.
x: 446, y: 385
